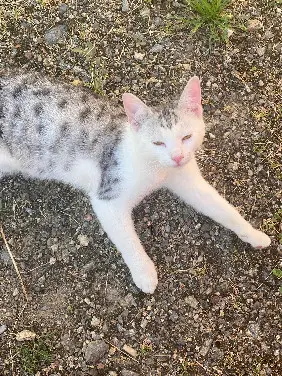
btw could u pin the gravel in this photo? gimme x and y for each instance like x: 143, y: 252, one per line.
x: 216, y: 310
x: 95, y: 351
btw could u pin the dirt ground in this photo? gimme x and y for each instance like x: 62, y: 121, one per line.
x: 217, y: 309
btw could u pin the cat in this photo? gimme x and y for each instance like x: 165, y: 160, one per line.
x: 117, y: 156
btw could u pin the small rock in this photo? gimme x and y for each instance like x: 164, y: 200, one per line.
x: 145, y: 12
x: 130, y: 351
x: 88, y: 267
x: 229, y: 32
x: 139, y: 56
x: 95, y: 351
x: 260, y: 51
x: 25, y: 335
x: 173, y: 316
x: 52, y: 261
x: 125, y: 6
x: 113, y: 373
x: 83, y: 240
x: 253, y: 330
x: 54, y: 248
x: 191, y: 301
x: 53, y: 35
x: 3, y: 328
x: 95, y: 321
x: 254, y: 25
x: 126, y: 372
x: 62, y: 9
x: 261, y: 83
x: 206, y: 347
x: 268, y: 34
x: 15, y: 292
x: 128, y: 301
x: 4, y: 256
x: 157, y: 48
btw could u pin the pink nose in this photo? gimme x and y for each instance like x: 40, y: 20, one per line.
x: 178, y: 159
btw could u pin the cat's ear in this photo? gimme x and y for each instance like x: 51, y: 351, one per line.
x: 190, y: 99
x: 135, y: 109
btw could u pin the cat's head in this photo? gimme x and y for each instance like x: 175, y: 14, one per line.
x: 169, y: 135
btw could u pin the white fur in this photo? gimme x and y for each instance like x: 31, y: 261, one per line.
x: 145, y: 167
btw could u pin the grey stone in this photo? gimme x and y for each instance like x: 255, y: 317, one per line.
x: 125, y: 6
x: 157, y: 48
x: 126, y: 372
x: 62, y: 9
x: 5, y: 258
x: 191, y: 301
x: 95, y: 351
x: 3, y: 328
x: 56, y: 33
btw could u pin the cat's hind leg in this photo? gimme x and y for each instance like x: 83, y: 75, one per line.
x: 117, y: 222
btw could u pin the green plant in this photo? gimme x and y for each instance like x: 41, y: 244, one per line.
x: 98, y: 75
x: 278, y: 273
x: 273, y: 225
x: 210, y: 15
x: 35, y: 355
x: 145, y: 348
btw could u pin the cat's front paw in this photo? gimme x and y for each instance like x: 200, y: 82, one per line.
x: 145, y: 276
x: 257, y: 239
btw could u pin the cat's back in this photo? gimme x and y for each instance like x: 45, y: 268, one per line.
x: 56, y: 130
x: 38, y: 103
x: 37, y: 114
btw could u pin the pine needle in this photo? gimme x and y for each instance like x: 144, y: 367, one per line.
x: 14, y: 263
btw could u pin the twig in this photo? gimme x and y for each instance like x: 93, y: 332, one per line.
x: 123, y: 352
x: 179, y: 271
x: 14, y: 263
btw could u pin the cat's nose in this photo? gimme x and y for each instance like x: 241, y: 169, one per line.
x: 177, y: 158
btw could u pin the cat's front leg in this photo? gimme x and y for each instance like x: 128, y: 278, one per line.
x: 117, y: 222
x: 189, y: 185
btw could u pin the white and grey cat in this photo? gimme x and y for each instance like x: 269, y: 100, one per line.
x: 50, y: 130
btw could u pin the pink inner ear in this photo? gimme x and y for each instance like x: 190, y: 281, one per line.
x: 133, y: 107
x: 190, y: 99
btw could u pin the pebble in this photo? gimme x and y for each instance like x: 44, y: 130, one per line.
x: 206, y: 347
x: 254, y: 24
x: 260, y: 51
x: 25, y: 335
x: 95, y: 321
x: 130, y: 350
x: 125, y: 6
x: 95, y: 351
x: 126, y: 372
x: 83, y: 240
x: 139, y: 55
x: 3, y: 328
x: 191, y: 301
x: 52, y: 261
x: 157, y: 48
x: 55, y: 34
x: 145, y: 12
x: 62, y: 9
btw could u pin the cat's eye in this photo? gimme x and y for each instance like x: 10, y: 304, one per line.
x: 159, y: 143
x: 186, y: 137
